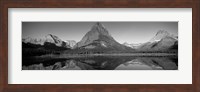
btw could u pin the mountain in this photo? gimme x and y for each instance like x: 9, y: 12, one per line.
x: 99, y: 38
x: 51, y: 39
x: 132, y: 45
x: 71, y: 43
x: 166, y: 43
x: 160, y: 35
x: 162, y: 41
x: 50, y: 44
x: 55, y: 40
x: 33, y: 41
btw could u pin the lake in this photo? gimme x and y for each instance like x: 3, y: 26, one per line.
x: 102, y: 63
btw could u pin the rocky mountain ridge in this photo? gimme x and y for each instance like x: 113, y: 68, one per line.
x: 162, y: 40
x: 53, y: 39
x: 99, y: 38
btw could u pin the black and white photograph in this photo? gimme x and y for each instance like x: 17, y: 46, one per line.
x: 100, y: 45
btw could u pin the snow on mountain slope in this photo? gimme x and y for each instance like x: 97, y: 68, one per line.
x: 161, y: 41
x: 99, y: 37
x: 132, y: 45
x: 160, y: 35
x: 71, y: 43
x: 48, y: 38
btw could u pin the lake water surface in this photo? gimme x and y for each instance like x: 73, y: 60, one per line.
x: 102, y: 63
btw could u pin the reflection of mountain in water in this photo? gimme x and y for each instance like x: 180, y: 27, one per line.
x: 136, y: 64
x: 108, y: 63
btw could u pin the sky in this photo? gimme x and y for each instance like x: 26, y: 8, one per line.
x: 131, y: 32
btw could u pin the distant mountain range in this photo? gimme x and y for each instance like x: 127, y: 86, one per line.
x: 162, y: 41
x: 132, y: 45
x: 98, y: 39
x: 50, y: 39
x: 162, y: 34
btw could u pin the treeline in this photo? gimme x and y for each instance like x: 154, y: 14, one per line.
x: 110, y: 51
x: 29, y: 49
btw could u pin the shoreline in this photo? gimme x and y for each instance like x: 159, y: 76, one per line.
x: 113, y: 55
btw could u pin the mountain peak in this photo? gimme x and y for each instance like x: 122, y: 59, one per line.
x: 47, y: 38
x: 162, y: 32
x: 160, y: 35
x: 95, y: 33
x: 99, y: 28
x: 98, y: 24
x: 99, y: 37
x: 53, y: 39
